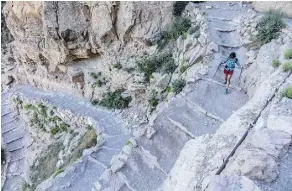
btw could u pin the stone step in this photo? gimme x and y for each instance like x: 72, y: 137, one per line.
x: 15, y: 145
x: 12, y: 183
x: 141, y: 173
x: 17, y: 155
x: 16, y: 167
x: 83, y: 177
x: 10, y: 126
x: 9, y: 117
x: 212, y: 98
x: 111, y: 127
x: 8, y: 121
x: 6, y: 109
x: 191, y: 118
x: 116, y: 142
x: 104, y: 155
x: 14, y: 135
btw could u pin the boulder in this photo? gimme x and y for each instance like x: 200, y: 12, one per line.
x: 266, y: 6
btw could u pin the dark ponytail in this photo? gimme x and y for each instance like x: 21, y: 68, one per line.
x: 232, y: 55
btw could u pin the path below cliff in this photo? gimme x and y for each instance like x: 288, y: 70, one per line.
x: 198, y: 110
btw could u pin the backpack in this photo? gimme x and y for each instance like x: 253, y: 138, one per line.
x: 230, y: 64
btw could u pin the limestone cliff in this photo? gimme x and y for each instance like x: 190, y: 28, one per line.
x: 54, y: 33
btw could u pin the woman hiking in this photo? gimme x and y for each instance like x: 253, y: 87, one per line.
x: 229, y: 68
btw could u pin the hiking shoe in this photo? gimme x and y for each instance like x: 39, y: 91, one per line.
x: 226, y: 91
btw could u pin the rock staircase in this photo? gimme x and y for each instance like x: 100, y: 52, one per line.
x: 146, y: 163
x: 13, y: 131
x: 198, y: 110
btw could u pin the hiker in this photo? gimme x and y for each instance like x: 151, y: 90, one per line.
x: 228, y: 69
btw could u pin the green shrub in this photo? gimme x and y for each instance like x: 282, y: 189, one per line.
x: 179, y: 7
x: 52, y: 113
x: 183, y: 69
x: 287, y: 92
x: 168, y: 65
x: 94, y: 75
x: 163, y: 62
x: 287, y: 66
x: 94, y: 102
x: 98, y: 83
x: 114, y: 100
x: 276, y: 63
x: 153, y: 101
x: 117, y: 66
x: 178, y: 85
x: 184, y: 35
x: 27, y: 106
x: 25, y: 186
x: 64, y: 126
x: 54, y: 130
x: 60, y: 170
x: 269, y: 26
x: 179, y: 26
x: 288, y: 54
x: 169, y: 89
x: 89, y: 127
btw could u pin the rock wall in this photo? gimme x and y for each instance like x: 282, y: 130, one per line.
x: 51, y: 36
x: 54, y: 33
x: 91, y: 48
x: 284, y: 6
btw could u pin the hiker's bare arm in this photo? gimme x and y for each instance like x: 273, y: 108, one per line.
x: 237, y: 63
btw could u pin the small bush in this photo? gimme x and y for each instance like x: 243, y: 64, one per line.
x: 64, y: 126
x: 117, y: 66
x: 60, y: 170
x: 269, y: 26
x: 98, y: 83
x: 179, y: 26
x: 163, y: 62
x: 25, y: 187
x: 179, y: 7
x: 288, y: 54
x: 178, y: 85
x: 153, y: 101
x: 94, y: 102
x: 287, y: 66
x: 168, y: 66
x: 52, y: 113
x: 287, y: 92
x: 184, y: 35
x: 276, y: 63
x: 89, y: 127
x: 114, y: 100
x: 27, y: 106
x: 54, y: 130
x: 183, y: 69
x: 94, y: 75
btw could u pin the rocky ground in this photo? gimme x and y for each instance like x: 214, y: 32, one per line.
x: 243, y: 137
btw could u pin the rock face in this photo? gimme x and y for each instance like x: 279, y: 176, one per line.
x: 286, y: 7
x: 54, y: 33
x: 58, y: 44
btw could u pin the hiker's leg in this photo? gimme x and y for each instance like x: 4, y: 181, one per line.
x: 225, y: 78
x: 228, y: 81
